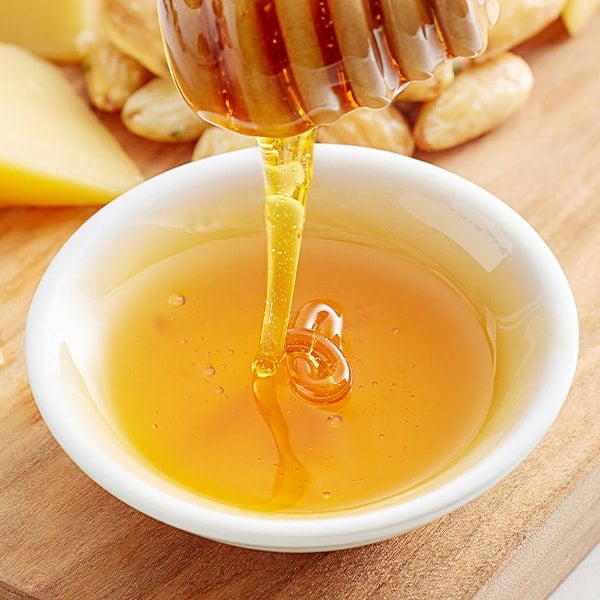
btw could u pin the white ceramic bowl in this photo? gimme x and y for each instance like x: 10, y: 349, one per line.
x: 409, y: 203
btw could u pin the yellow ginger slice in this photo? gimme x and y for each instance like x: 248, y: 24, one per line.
x: 578, y: 13
x: 53, y: 149
x: 50, y: 29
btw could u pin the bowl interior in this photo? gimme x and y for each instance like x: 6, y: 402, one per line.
x: 358, y: 195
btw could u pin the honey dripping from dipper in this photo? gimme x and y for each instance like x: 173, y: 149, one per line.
x: 278, y: 69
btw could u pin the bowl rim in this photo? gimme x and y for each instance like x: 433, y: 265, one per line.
x: 327, y: 531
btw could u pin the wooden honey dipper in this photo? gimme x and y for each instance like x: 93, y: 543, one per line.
x: 276, y: 68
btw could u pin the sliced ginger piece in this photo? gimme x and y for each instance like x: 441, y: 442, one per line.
x: 577, y: 14
x: 479, y: 99
x: 386, y: 129
x: 50, y: 29
x: 53, y: 149
x: 133, y: 28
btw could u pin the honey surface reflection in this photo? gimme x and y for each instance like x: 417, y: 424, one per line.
x: 265, y: 437
x: 178, y: 376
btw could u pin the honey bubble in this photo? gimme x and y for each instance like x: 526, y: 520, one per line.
x: 335, y: 420
x: 176, y: 300
x: 209, y: 370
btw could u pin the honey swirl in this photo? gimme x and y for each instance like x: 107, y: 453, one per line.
x: 319, y: 372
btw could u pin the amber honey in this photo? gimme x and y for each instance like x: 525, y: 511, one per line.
x: 386, y: 372
x: 181, y: 339
x: 280, y: 67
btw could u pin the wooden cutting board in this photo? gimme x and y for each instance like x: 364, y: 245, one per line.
x: 63, y: 537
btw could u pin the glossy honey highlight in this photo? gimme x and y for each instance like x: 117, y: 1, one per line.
x: 181, y: 339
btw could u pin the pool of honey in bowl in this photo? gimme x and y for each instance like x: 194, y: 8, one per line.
x: 181, y: 338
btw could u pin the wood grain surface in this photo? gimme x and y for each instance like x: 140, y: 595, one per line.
x: 63, y: 537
